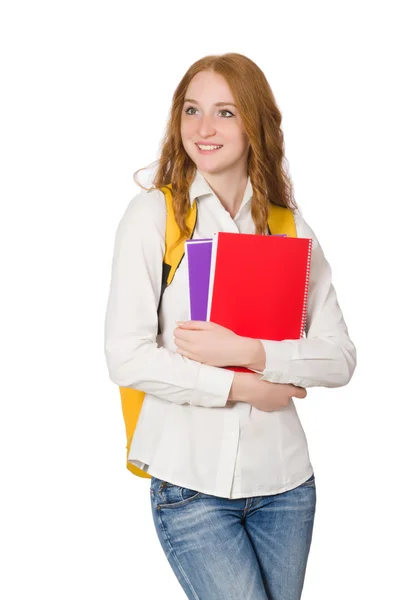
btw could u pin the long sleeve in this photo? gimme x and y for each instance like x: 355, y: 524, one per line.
x: 326, y: 356
x: 132, y: 353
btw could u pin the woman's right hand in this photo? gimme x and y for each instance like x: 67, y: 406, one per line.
x: 264, y: 395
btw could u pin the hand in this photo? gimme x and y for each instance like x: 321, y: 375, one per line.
x: 263, y: 395
x: 209, y: 343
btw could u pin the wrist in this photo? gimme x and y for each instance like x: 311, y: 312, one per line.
x: 254, y: 354
x: 238, y: 390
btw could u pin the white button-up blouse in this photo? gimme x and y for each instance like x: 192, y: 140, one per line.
x: 188, y: 433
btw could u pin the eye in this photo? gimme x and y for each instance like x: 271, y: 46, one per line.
x: 227, y: 111
x: 190, y: 108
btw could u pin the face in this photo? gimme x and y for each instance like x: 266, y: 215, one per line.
x: 205, y: 123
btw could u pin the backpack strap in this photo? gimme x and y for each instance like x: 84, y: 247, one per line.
x: 281, y: 220
x: 173, y: 256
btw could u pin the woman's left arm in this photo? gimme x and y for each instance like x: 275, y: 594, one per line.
x: 327, y: 356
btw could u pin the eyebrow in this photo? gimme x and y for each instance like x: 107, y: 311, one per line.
x: 216, y: 104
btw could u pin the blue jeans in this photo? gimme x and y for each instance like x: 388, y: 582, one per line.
x: 236, y: 549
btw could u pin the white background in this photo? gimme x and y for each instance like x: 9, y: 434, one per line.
x: 86, y: 90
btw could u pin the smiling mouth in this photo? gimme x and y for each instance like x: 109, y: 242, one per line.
x: 208, y: 148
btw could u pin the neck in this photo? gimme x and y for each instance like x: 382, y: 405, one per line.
x: 229, y: 188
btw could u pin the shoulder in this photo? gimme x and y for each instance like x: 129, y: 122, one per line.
x: 303, y: 229
x: 146, y: 212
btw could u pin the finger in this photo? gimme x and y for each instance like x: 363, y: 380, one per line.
x: 193, y: 324
x: 183, y: 345
x: 300, y: 392
x: 181, y: 333
x: 184, y: 335
x: 185, y: 353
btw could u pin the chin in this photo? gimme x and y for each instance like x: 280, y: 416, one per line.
x: 205, y: 168
x: 214, y: 168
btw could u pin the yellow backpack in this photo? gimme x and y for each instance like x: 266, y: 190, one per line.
x: 281, y: 220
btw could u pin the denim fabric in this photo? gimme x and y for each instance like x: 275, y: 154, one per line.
x: 236, y: 549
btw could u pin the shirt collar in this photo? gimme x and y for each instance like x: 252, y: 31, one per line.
x: 200, y: 187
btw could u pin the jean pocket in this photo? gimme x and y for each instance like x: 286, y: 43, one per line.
x: 169, y: 495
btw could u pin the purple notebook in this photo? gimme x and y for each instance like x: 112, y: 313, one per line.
x: 198, y: 256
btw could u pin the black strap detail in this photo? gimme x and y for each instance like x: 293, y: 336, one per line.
x: 164, y: 277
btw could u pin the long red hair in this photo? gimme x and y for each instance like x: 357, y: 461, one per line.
x: 262, y: 122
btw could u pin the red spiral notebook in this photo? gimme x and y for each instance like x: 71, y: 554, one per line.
x: 259, y: 285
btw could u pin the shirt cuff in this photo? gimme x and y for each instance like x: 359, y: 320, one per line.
x: 212, y: 387
x: 278, y: 360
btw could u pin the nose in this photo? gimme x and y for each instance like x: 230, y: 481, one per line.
x: 206, y: 127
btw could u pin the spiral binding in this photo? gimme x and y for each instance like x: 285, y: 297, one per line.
x: 306, y: 292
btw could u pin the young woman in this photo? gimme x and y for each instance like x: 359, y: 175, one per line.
x: 233, y: 490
